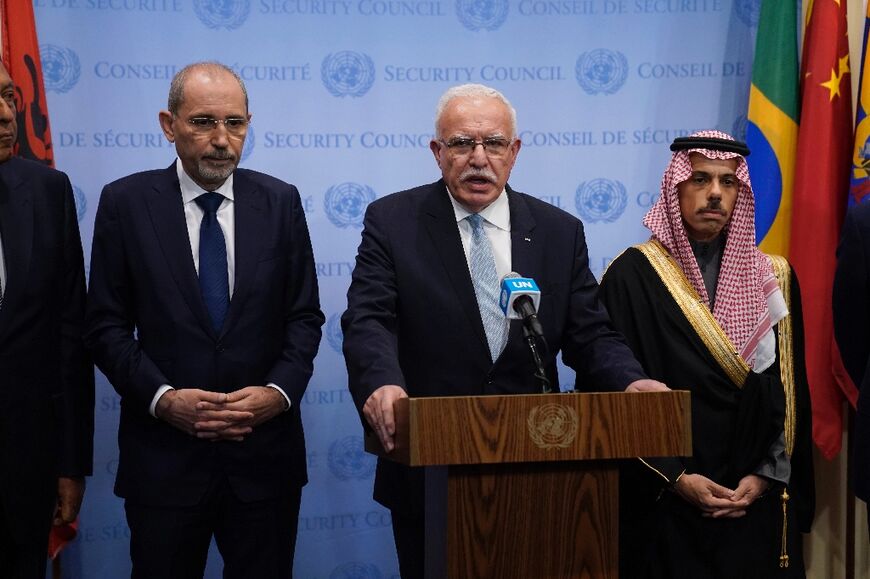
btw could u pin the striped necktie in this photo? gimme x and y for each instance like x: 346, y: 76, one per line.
x: 484, y: 278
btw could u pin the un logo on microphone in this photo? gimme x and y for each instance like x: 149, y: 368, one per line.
x: 600, y: 200
x: 81, y: 202
x: 347, y: 73
x: 356, y: 570
x: 60, y: 68
x: 348, y: 459
x: 250, y: 141
x: 601, y: 71
x: 226, y: 14
x: 334, y: 335
x: 482, y: 14
x: 748, y: 11
x: 345, y: 204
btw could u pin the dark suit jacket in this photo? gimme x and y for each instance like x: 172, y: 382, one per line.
x: 413, y: 320
x: 147, y: 325
x: 851, y: 302
x: 46, y: 378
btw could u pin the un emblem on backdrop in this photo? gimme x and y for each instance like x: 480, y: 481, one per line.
x: 348, y: 459
x: 347, y: 73
x: 228, y: 14
x: 333, y: 332
x: 345, y: 204
x: 601, y: 71
x: 81, y: 202
x: 600, y: 200
x: 250, y: 141
x: 355, y: 570
x: 748, y: 11
x: 60, y: 67
x: 482, y: 14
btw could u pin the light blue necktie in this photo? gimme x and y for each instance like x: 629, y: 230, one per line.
x: 213, y: 277
x: 485, y: 281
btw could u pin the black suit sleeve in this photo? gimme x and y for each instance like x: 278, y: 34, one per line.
x: 302, y: 315
x: 370, y: 324
x: 592, y: 347
x: 850, y: 295
x: 77, y: 409
x: 111, y: 317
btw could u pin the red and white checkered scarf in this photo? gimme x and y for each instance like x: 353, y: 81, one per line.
x: 748, y: 299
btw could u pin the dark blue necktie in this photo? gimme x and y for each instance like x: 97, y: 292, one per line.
x: 213, y: 260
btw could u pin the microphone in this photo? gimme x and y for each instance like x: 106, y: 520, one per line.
x: 520, y: 299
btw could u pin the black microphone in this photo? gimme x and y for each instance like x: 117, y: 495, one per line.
x: 520, y: 298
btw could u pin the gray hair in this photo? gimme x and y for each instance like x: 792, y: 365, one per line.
x: 176, y: 89
x: 472, y: 90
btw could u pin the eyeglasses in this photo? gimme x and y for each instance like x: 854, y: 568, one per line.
x: 492, y: 146
x: 205, y: 125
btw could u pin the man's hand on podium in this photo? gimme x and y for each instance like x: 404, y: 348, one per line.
x: 378, y: 411
x: 647, y: 385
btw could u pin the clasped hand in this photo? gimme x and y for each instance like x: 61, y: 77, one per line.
x: 717, y: 501
x: 219, y: 416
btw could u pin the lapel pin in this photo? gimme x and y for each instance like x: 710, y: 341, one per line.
x: 529, y: 239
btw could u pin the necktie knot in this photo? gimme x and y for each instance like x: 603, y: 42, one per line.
x: 476, y: 222
x: 209, y: 202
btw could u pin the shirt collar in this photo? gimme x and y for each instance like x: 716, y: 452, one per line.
x: 190, y: 190
x: 497, y: 213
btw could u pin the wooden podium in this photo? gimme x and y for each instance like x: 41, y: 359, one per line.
x: 526, y: 486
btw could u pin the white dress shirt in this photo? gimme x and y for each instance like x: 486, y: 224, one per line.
x: 226, y: 217
x: 497, y: 226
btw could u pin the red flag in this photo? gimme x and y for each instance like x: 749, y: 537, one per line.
x: 21, y: 58
x: 821, y: 184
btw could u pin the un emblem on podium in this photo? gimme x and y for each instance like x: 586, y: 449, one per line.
x: 552, y: 425
x: 60, y: 68
x: 227, y: 14
x: 345, y: 204
x: 334, y: 335
x: 81, y: 202
x: 600, y: 200
x: 347, y: 73
x: 348, y: 459
x: 482, y: 14
x: 601, y: 71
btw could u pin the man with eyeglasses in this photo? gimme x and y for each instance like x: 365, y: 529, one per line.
x: 422, y: 316
x: 204, y: 314
x: 46, y: 376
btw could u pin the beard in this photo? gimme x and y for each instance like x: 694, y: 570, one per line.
x: 209, y: 173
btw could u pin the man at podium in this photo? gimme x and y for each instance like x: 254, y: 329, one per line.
x: 705, y: 311
x: 423, y: 317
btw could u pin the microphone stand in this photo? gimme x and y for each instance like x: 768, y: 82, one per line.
x: 530, y: 337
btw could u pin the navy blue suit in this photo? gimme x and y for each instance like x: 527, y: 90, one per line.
x: 46, y: 377
x: 413, y: 320
x: 147, y: 325
x: 851, y: 302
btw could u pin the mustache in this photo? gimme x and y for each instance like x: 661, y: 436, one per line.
x: 477, y: 173
x: 220, y: 154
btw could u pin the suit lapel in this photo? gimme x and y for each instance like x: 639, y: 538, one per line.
x: 16, y: 228
x: 526, y: 248
x: 441, y: 224
x: 249, y: 236
x: 166, y: 208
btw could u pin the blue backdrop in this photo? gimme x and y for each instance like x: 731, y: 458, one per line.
x: 343, y: 94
